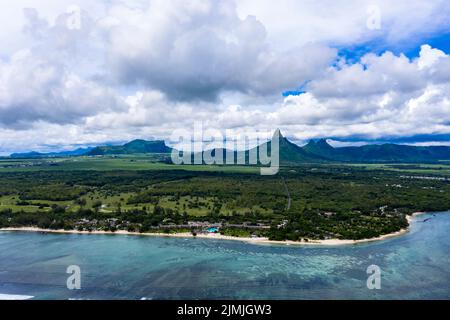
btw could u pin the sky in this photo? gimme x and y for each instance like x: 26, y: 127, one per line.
x: 83, y: 73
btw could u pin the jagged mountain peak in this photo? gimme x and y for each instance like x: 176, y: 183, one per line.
x: 321, y: 143
x: 324, y: 143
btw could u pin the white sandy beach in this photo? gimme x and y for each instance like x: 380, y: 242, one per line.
x: 260, y: 241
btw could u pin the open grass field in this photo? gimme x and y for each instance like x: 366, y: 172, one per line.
x: 317, y: 201
x: 109, y: 163
x: 151, y: 162
x: 437, y: 169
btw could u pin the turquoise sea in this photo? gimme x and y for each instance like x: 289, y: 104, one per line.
x: 413, y: 266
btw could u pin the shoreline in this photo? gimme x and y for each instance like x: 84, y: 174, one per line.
x: 257, y: 241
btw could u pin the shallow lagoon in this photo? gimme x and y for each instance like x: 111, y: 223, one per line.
x: 414, y: 266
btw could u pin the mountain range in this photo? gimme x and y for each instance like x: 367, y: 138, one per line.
x: 133, y: 147
x: 34, y: 154
x: 320, y: 151
x: 379, y: 153
x: 316, y: 151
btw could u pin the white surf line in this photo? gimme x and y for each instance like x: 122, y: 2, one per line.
x: 14, y: 297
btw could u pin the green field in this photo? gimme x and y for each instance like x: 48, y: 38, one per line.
x: 436, y: 169
x: 152, y: 162
x: 347, y: 201
x: 107, y: 163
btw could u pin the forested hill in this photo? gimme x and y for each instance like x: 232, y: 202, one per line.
x: 319, y: 151
x: 379, y: 153
x: 133, y: 147
x: 33, y: 154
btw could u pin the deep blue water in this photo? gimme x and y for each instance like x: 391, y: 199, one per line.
x: 414, y: 266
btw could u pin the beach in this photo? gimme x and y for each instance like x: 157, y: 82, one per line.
x: 217, y: 236
x: 162, y: 268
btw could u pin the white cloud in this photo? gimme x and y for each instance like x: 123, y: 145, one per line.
x: 381, y: 96
x: 197, y: 50
x: 143, y: 68
x: 33, y: 89
x: 429, y: 56
x: 342, y: 22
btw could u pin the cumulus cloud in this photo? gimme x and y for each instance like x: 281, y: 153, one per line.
x: 142, y: 68
x: 194, y: 50
x: 380, y: 96
x: 384, y: 95
x: 342, y: 22
x: 33, y: 89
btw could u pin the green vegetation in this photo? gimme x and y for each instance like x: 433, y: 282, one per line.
x: 150, y: 162
x: 136, y: 193
x: 290, y: 153
x: 133, y: 147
